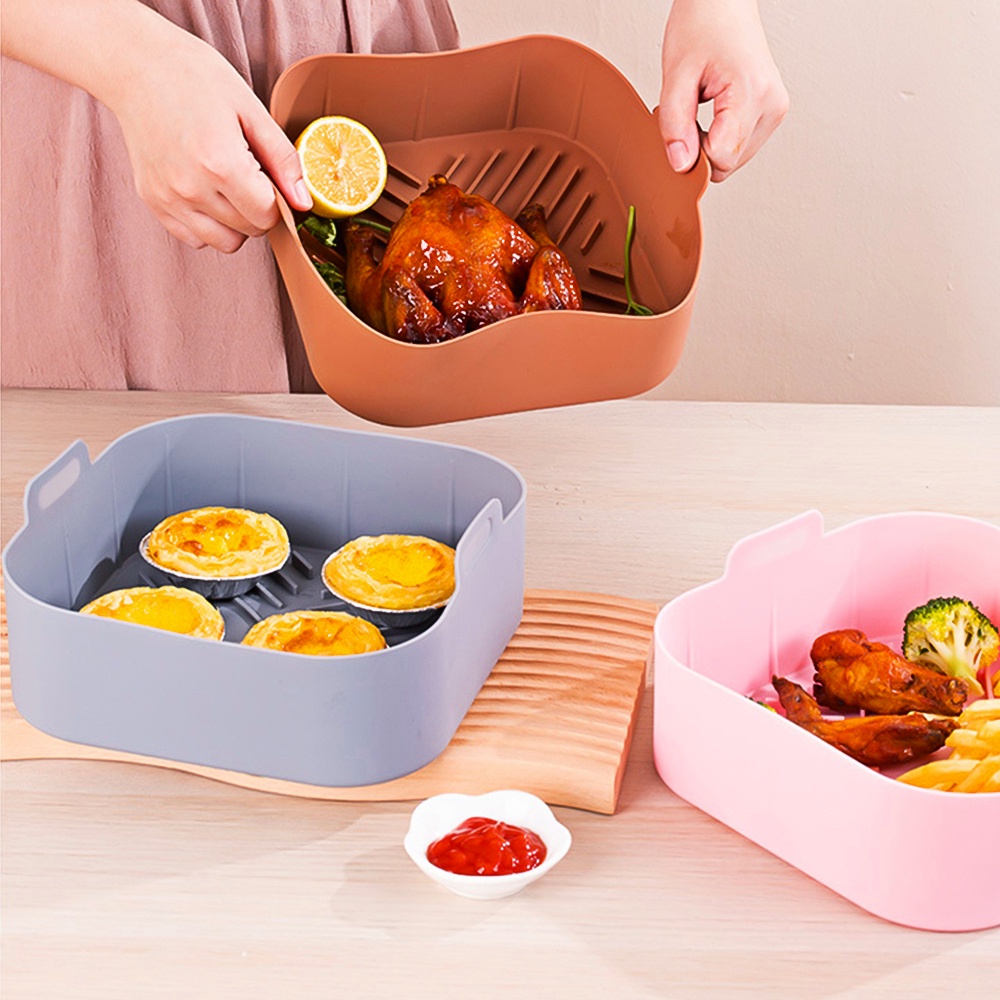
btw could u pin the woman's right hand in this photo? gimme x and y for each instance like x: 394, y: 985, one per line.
x: 204, y: 150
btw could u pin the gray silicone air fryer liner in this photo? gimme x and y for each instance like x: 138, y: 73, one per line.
x: 335, y: 721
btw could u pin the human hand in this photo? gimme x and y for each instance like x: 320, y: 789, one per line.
x: 715, y: 50
x: 204, y: 150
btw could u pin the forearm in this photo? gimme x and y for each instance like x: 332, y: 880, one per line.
x: 751, y: 7
x: 102, y: 46
x: 738, y: 14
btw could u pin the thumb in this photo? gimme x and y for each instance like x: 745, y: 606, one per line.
x: 278, y: 158
x: 678, y: 119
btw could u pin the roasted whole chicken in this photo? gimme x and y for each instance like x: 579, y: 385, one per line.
x: 875, y: 740
x: 853, y: 673
x: 455, y: 262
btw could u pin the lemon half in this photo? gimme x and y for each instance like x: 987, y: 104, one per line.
x: 343, y: 165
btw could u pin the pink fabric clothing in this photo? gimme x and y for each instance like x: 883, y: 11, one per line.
x: 95, y: 293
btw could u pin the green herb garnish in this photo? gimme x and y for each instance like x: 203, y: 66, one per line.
x: 379, y: 227
x: 633, y: 307
x: 332, y: 276
x: 323, y: 229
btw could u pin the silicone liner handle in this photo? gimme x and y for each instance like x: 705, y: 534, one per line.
x: 284, y: 209
x: 52, y: 482
x: 476, y: 538
x: 701, y: 168
x: 775, y: 544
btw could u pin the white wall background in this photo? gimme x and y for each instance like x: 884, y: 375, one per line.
x: 857, y: 257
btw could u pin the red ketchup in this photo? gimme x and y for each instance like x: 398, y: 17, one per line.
x: 481, y: 846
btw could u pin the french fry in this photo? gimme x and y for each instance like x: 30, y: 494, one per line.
x: 974, y: 764
x: 989, y: 736
x: 973, y: 744
x: 944, y: 774
x: 976, y: 779
x: 984, y: 709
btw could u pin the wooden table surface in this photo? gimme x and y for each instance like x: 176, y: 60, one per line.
x: 137, y: 882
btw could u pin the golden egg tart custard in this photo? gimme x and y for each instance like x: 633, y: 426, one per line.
x: 316, y: 633
x: 218, y: 543
x: 392, y: 572
x: 174, y: 609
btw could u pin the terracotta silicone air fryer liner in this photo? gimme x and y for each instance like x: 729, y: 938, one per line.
x: 535, y: 118
x: 915, y: 856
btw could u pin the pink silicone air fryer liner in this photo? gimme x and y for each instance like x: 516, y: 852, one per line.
x: 922, y: 858
x: 535, y: 118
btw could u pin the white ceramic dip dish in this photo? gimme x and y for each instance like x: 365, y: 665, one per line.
x: 441, y: 814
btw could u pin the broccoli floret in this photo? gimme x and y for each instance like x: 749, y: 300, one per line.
x: 953, y: 636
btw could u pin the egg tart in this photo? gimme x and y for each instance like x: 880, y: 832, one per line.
x: 317, y: 633
x: 392, y: 572
x: 173, y: 609
x: 217, y: 543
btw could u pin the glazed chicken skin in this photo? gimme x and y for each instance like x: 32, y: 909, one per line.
x: 875, y: 740
x: 455, y: 262
x: 551, y: 282
x: 853, y: 673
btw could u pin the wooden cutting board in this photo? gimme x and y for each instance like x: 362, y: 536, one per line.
x: 555, y: 717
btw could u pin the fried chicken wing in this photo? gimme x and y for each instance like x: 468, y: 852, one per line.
x: 875, y: 740
x: 853, y: 673
x: 455, y: 262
